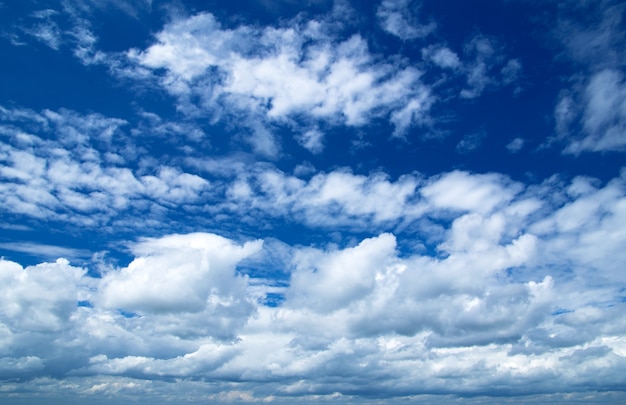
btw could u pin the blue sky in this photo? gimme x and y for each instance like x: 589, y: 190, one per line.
x: 280, y: 201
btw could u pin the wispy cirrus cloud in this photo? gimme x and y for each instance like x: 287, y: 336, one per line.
x: 397, y: 17
x: 42, y: 251
x: 590, y: 114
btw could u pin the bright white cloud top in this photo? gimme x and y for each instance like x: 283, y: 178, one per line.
x: 309, y: 203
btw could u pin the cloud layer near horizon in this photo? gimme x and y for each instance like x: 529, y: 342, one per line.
x: 513, y: 289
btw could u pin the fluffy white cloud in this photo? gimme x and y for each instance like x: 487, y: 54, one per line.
x: 391, y: 285
x: 503, y: 290
x: 274, y: 74
x: 462, y: 191
x: 39, y: 298
x: 336, y: 198
x: 75, y: 168
x: 329, y: 282
x: 67, y: 170
x: 588, y: 225
x: 178, y: 273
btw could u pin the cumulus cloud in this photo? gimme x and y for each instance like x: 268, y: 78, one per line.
x: 391, y: 285
x: 178, y: 273
x: 462, y: 191
x: 336, y: 198
x: 75, y: 169
x: 66, y: 169
x: 503, y: 291
x: 39, y: 298
x: 274, y: 74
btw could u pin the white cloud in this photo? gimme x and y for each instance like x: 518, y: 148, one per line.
x: 132, y: 8
x: 441, y: 56
x: 515, y: 145
x: 604, y: 117
x: 511, y: 71
x: 463, y: 191
x: 48, y: 180
x: 396, y: 17
x: 313, y: 140
x: 599, y: 113
x: 589, y: 226
x: 329, y: 282
x: 59, y: 172
x: 481, y: 64
x: 44, y: 251
x: 461, y: 283
x: 39, y: 298
x: 48, y: 33
x: 273, y: 74
x: 478, y: 77
x: 471, y: 142
x: 597, y: 39
x: 40, y: 25
x: 335, y: 198
x: 178, y: 273
x: 590, y: 114
x: 504, y: 292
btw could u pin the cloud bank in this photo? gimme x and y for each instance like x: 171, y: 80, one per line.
x: 504, y: 292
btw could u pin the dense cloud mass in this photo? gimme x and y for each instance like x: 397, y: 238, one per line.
x: 516, y: 289
x: 350, y: 203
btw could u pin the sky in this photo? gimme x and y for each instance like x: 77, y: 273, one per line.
x: 280, y: 201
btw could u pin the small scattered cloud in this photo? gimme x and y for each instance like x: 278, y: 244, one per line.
x: 516, y: 145
x: 471, y: 142
x: 313, y: 140
x: 482, y: 50
x: 589, y: 115
x: 397, y: 18
x: 441, y: 56
x: 48, y: 33
x: 604, y: 116
x: 511, y: 71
